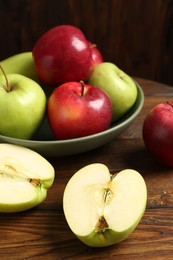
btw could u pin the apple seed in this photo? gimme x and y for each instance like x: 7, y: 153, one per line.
x: 34, y: 182
x: 101, y: 225
x: 8, y: 171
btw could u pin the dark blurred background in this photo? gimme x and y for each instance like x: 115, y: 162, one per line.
x: 136, y: 35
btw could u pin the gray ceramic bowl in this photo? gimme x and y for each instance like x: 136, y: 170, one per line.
x: 50, y: 147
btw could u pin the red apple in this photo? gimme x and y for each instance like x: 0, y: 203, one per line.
x: 97, y: 57
x: 62, y: 54
x: 76, y: 109
x: 158, y: 133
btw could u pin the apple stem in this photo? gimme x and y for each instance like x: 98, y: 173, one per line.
x: 93, y: 46
x: 170, y: 103
x: 7, y: 86
x: 83, y: 87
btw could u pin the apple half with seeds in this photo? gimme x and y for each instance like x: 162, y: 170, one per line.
x: 103, y: 209
x: 25, y: 177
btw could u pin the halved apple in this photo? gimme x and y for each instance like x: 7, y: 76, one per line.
x: 103, y: 209
x: 25, y: 177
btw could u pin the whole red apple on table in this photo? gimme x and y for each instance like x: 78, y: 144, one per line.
x: 158, y: 133
x: 62, y: 54
x: 76, y: 109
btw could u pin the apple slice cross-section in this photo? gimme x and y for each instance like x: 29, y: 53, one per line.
x: 25, y: 177
x: 103, y: 209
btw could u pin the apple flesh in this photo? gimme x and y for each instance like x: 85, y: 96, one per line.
x: 25, y: 177
x: 76, y: 109
x: 62, y: 54
x: 22, y: 106
x: 119, y: 86
x: 158, y: 133
x: 103, y: 209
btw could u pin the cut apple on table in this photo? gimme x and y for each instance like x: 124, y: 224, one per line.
x: 103, y: 209
x: 25, y: 177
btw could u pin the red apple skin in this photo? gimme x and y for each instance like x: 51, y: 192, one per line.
x: 73, y: 115
x: 97, y: 57
x: 158, y: 133
x: 62, y: 54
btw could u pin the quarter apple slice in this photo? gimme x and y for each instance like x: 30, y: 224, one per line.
x: 103, y: 209
x: 25, y: 177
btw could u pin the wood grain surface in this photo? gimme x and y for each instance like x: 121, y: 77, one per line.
x: 43, y: 233
x: 137, y: 35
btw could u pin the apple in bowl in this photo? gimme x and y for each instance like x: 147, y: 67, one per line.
x: 118, y: 85
x: 62, y: 54
x: 22, y: 106
x: 97, y: 57
x: 76, y: 109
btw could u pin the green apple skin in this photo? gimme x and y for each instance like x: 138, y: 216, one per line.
x: 21, y: 63
x: 119, y: 86
x: 38, y: 196
x: 25, y: 178
x: 92, y: 193
x: 108, y: 237
x: 22, y: 108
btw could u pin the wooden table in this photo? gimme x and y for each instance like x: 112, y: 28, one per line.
x: 42, y: 232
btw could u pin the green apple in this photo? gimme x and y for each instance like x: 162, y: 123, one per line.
x: 20, y: 63
x: 103, y: 209
x: 22, y: 106
x: 119, y: 86
x: 25, y: 177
